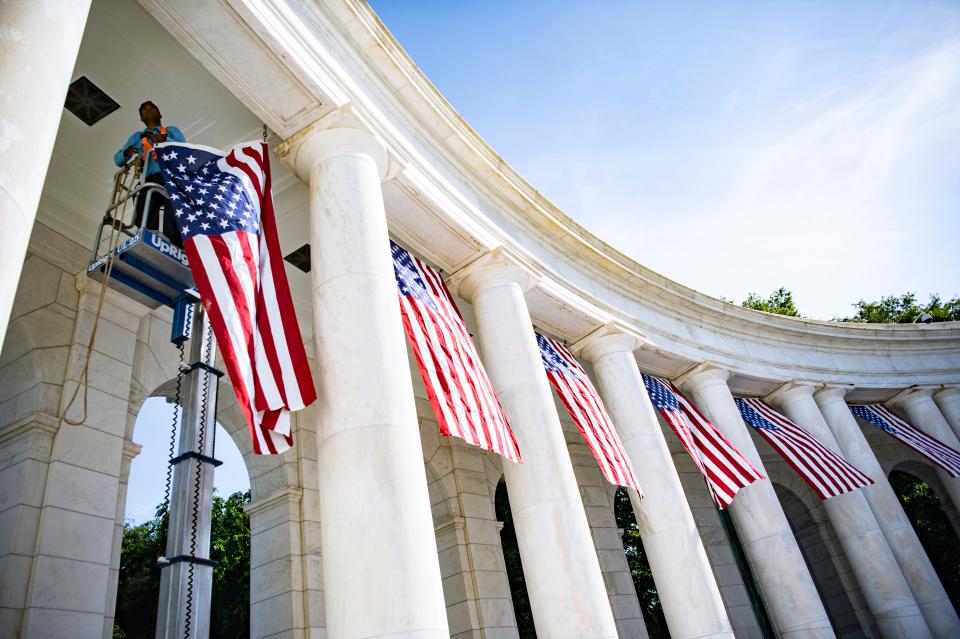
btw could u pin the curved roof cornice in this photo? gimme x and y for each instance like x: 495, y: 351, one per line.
x: 453, y: 199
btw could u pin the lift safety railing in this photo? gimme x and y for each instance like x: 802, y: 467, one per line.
x: 120, y: 215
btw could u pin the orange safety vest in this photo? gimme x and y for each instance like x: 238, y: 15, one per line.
x: 145, y: 142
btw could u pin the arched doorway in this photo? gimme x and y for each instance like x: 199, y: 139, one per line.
x: 924, y: 509
x: 825, y: 562
x: 643, y: 582
x: 144, y: 531
x: 511, y: 557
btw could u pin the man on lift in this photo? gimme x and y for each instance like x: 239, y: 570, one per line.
x: 144, y: 141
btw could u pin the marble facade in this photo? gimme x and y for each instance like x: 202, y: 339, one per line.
x: 382, y: 155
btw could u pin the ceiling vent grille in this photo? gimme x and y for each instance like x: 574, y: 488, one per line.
x: 88, y: 102
x: 300, y: 258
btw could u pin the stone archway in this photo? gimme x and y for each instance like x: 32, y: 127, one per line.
x: 922, y: 495
x: 285, y: 571
x: 825, y: 560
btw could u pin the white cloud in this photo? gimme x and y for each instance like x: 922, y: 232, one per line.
x: 849, y: 192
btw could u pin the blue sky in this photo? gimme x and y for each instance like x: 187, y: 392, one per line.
x: 734, y: 146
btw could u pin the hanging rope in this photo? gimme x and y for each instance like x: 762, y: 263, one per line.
x: 116, y: 225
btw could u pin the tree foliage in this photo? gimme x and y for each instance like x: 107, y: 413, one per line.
x: 511, y: 558
x: 780, y: 302
x: 925, y: 512
x: 904, y: 309
x: 139, y: 584
x: 639, y: 567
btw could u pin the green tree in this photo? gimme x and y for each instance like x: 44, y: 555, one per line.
x: 925, y: 512
x: 780, y: 302
x: 139, y: 584
x: 639, y: 567
x: 903, y: 309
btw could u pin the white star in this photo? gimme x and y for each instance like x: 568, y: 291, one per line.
x: 222, y: 188
x: 199, y: 202
x: 224, y: 223
x: 188, y: 189
x: 242, y: 222
x: 211, y: 215
x: 203, y: 191
x: 191, y: 159
x: 179, y: 212
x: 218, y: 196
x: 204, y: 170
x: 185, y: 230
x: 191, y: 217
x: 204, y: 226
x: 182, y: 168
x: 174, y: 196
x: 166, y: 156
x: 173, y: 155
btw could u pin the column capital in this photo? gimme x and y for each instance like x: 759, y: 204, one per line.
x: 949, y: 391
x: 496, y: 267
x: 791, y: 391
x: 829, y: 393
x: 315, y: 143
x: 703, y: 375
x: 912, y: 395
x: 612, y: 337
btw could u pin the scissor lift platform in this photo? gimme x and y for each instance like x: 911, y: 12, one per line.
x: 146, y: 268
x: 138, y: 262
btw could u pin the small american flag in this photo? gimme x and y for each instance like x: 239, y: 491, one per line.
x: 933, y: 449
x: 583, y: 403
x: 224, y: 208
x: 826, y: 472
x: 457, y: 385
x: 725, y: 469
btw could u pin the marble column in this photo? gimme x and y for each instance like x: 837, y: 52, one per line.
x: 899, y: 533
x: 38, y: 49
x: 923, y: 413
x: 785, y: 583
x: 381, y: 573
x: 948, y: 400
x: 564, y: 582
x: 671, y: 541
x: 881, y: 582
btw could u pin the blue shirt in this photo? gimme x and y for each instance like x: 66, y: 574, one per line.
x: 173, y: 135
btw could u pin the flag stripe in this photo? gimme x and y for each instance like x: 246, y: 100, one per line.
x: 583, y: 403
x: 225, y: 206
x: 725, y: 469
x: 936, y: 451
x: 457, y: 385
x: 823, y: 469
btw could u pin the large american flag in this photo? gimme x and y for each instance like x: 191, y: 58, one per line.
x: 578, y: 395
x: 825, y: 471
x: 933, y: 449
x: 725, y: 469
x: 224, y: 208
x: 457, y: 385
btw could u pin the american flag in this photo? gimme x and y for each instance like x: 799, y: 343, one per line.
x: 725, y: 469
x: 224, y: 209
x: 826, y: 472
x: 583, y: 403
x: 457, y: 385
x: 933, y: 449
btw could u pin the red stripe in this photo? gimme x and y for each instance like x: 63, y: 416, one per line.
x: 219, y: 327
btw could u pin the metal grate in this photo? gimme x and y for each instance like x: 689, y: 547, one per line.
x: 88, y: 102
x: 300, y: 258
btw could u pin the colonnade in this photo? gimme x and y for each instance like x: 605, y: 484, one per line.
x: 384, y: 581
x: 560, y: 563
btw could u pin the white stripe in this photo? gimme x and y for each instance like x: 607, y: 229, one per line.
x: 288, y: 375
x: 262, y: 371
x: 228, y: 311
